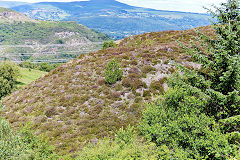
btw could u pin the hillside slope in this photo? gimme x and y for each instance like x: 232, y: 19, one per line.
x: 72, y: 104
x: 10, y: 16
x: 22, y: 38
x: 114, y: 18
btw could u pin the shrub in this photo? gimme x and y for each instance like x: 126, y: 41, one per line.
x: 126, y: 146
x: 113, y: 72
x: 219, y: 76
x: 177, y: 123
x: 9, y: 73
x: 126, y: 82
x: 231, y: 124
x: 146, y: 93
x: 27, y: 64
x: 146, y: 69
x: 157, y: 86
x: 108, y: 44
x: 45, y: 67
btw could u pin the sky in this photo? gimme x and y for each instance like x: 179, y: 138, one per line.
x: 171, y: 5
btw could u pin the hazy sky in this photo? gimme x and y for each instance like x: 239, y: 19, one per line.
x: 172, y: 5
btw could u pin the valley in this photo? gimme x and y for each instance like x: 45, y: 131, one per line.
x: 116, y: 19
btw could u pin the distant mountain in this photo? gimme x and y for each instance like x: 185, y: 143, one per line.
x: 9, y: 4
x: 114, y: 18
x: 10, y: 16
x: 23, y: 38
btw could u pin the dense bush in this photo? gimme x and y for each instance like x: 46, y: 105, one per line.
x: 108, y: 44
x: 9, y: 73
x: 176, y: 121
x: 113, y: 72
x: 27, y: 64
x: 47, y: 67
x: 231, y: 124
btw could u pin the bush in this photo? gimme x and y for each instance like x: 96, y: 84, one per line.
x: 46, y: 67
x: 108, y: 44
x: 231, y: 124
x: 177, y: 122
x: 113, y: 72
x: 157, y: 86
x: 126, y: 146
x: 9, y: 73
x: 27, y: 64
x: 146, y: 69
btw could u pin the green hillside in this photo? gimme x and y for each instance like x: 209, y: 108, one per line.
x: 72, y: 104
x: 22, y: 38
x: 29, y: 75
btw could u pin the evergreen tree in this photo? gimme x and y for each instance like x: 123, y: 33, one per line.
x: 219, y: 75
x: 198, y: 116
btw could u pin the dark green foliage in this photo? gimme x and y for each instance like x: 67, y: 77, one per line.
x: 59, y: 41
x: 220, y: 73
x: 9, y: 73
x: 47, y: 67
x: 230, y: 124
x: 108, y: 44
x: 113, y: 72
x: 177, y: 123
x: 234, y: 138
x: 27, y: 64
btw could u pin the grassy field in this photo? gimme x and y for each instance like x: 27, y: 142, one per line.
x: 29, y: 75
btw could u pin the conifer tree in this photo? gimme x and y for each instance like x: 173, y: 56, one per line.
x: 218, y: 78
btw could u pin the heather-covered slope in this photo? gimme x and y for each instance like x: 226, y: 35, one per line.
x: 10, y: 16
x: 72, y: 104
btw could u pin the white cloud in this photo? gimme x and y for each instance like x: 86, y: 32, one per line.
x: 175, y: 5
x: 172, y: 5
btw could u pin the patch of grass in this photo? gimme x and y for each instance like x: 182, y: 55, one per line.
x: 29, y: 75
